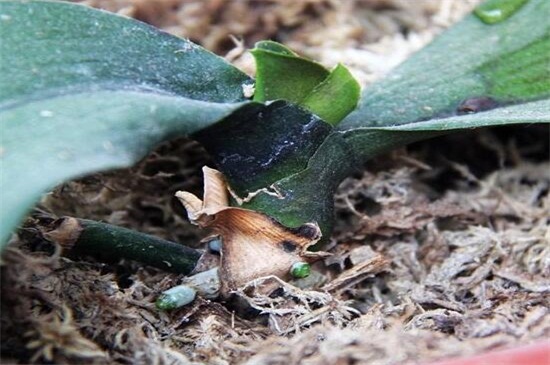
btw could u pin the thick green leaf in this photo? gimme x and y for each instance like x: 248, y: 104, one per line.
x: 371, y: 141
x: 505, y: 63
x: 520, y: 75
x: 83, y: 90
x: 56, y: 48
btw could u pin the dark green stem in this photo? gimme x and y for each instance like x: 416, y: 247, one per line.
x: 299, y: 158
x: 274, y: 145
x: 106, y: 241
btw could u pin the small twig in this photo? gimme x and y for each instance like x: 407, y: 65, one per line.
x: 357, y: 274
x: 102, y: 240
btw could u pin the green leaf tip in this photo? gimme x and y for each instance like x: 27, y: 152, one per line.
x: 176, y: 297
x: 335, y: 97
x: 282, y: 74
x: 300, y: 270
x: 275, y: 47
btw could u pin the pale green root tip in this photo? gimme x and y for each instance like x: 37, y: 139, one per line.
x: 176, y: 297
x: 300, y: 270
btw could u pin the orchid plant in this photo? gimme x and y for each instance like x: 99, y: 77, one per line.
x: 82, y: 90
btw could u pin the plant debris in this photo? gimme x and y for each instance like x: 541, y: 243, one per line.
x: 253, y: 244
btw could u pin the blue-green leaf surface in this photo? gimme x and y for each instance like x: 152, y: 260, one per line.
x: 83, y: 90
x: 507, y: 62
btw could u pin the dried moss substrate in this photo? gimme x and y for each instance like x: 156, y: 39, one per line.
x: 428, y: 262
x: 439, y: 250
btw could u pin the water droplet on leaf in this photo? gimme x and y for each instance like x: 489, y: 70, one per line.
x: 496, y: 11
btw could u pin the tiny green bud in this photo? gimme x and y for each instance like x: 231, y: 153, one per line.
x: 176, y: 297
x: 300, y: 270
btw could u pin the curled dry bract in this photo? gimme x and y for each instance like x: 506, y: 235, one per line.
x: 254, y: 245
